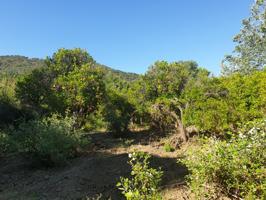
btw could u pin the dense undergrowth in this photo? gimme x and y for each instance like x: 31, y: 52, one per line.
x: 235, y: 168
x: 49, y: 141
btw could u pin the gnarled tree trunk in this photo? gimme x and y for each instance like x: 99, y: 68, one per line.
x: 181, y: 130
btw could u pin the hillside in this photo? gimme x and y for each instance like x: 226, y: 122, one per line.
x: 16, y: 64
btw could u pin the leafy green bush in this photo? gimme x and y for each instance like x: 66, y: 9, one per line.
x: 9, y: 106
x: 7, y: 92
x: 50, y: 141
x: 218, y: 104
x: 235, y: 168
x: 69, y: 81
x: 33, y: 90
x: 117, y: 113
x: 95, y: 121
x: 4, y: 143
x: 163, y: 116
x: 144, y: 183
x: 80, y: 91
x: 168, y: 148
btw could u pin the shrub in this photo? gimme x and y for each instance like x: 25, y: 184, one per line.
x: 168, y: 148
x: 69, y: 81
x: 95, y: 121
x: 9, y: 113
x: 165, y: 114
x: 235, y: 167
x: 216, y: 105
x: 7, y: 89
x: 4, y: 143
x: 117, y: 113
x: 145, y: 180
x: 163, y: 118
x: 50, y: 141
x: 9, y: 109
x: 80, y: 91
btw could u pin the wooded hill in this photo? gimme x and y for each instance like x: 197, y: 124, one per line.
x: 17, y: 64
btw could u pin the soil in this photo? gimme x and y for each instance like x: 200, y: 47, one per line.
x: 93, y: 175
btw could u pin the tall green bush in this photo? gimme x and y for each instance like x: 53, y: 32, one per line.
x: 70, y: 81
x: 117, y: 113
x: 220, y: 104
x: 10, y: 110
x: 80, y: 91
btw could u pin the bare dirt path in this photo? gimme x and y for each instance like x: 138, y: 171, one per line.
x: 93, y: 175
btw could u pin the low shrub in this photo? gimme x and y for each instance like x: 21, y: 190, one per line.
x: 4, y: 143
x: 235, y: 168
x: 49, y: 141
x: 145, y: 180
x: 168, y: 148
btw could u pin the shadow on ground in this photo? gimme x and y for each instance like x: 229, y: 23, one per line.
x: 107, y: 141
x: 85, y: 177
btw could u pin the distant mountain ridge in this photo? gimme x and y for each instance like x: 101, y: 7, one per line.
x: 16, y: 64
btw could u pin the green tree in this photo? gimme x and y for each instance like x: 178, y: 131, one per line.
x: 117, y: 112
x: 136, y: 94
x: 164, y: 85
x: 70, y: 81
x: 168, y: 79
x: 80, y: 91
x: 250, y: 51
x: 205, y: 104
x: 34, y: 89
x: 219, y: 104
x: 66, y: 60
x: 10, y: 110
x: 246, y: 97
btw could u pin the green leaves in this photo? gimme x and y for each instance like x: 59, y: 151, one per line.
x: 145, y: 180
x: 117, y: 112
x: 70, y: 82
x: 81, y: 90
x: 67, y: 60
x: 221, y: 104
x: 168, y: 79
x: 250, y: 51
x: 50, y: 141
x: 232, y: 167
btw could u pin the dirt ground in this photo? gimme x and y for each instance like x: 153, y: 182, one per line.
x: 93, y: 175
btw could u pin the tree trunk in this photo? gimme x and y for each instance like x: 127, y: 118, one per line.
x: 182, y: 131
x: 181, y: 127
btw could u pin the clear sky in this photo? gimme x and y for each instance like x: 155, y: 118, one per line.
x: 128, y: 35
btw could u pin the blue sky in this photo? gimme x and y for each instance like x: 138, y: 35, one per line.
x: 128, y: 35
